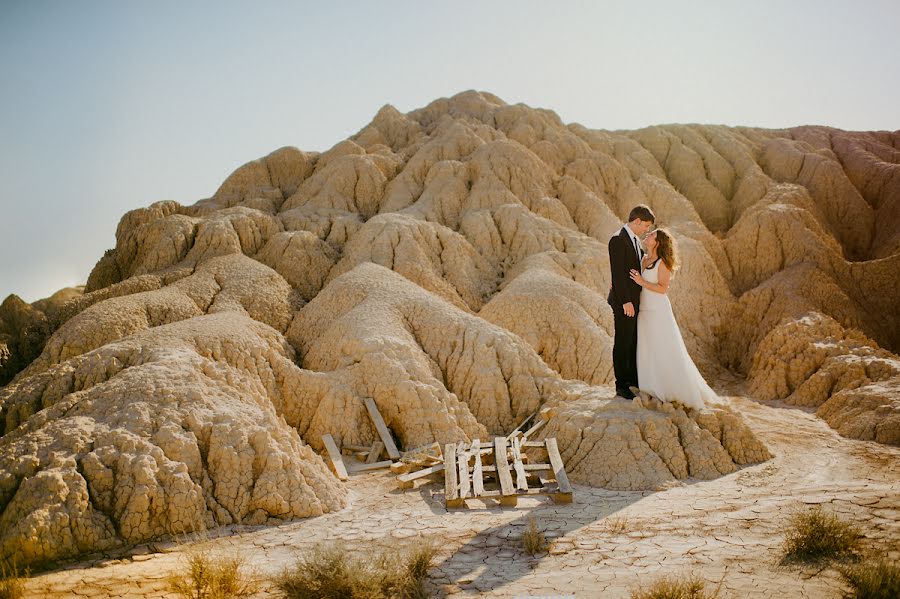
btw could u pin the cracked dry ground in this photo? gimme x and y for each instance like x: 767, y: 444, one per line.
x: 726, y: 530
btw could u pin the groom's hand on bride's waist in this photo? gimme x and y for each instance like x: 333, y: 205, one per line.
x: 629, y: 309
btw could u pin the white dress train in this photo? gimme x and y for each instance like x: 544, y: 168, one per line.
x: 665, y: 369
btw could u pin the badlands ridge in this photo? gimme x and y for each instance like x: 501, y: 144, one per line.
x: 451, y: 264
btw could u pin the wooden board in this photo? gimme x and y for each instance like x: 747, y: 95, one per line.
x: 434, y: 448
x: 558, y: 470
x: 533, y: 429
x: 477, y: 476
x: 401, y: 467
x: 367, y: 466
x: 411, y: 476
x: 374, y: 452
x: 451, y: 487
x: 382, y: 429
x: 502, y: 465
x: 528, y: 468
x: 462, y: 461
x: 337, y: 462
x: 355, y: 448
x: 521, y: 477
x: 519, y: 428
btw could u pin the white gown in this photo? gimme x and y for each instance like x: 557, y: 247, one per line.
x: 665, y: 369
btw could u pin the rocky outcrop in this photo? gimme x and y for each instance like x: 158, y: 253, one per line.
x: 24, y: 328
x: 451, y: 264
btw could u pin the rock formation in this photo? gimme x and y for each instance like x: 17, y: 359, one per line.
x: 451, y: 264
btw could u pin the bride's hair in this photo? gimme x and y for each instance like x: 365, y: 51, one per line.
x: 666, y: 249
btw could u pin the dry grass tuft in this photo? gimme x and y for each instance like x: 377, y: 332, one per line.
x: 12, y: 579
x: 331, y: 572
x: 618, y: 525
x: 533, y: 540
x: 876, y: 578
x: 675, y: 588
x: 815, y: 535
x: 210, y: 577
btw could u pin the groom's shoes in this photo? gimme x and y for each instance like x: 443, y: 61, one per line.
x: 626, y: 393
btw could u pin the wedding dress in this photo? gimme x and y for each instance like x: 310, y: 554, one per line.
x: 665, y: 369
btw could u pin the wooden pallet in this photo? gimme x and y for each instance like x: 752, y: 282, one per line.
x: 367, y: 456
x: 485, y: 470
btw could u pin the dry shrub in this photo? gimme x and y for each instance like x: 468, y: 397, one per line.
x: 874, y: 578
x: 331, y: 572
x: 211, y: 577
x: 533, y: 540
x: 816, y: 534
x: 671, y: 587
x: 618, y: 525
x: 12, y: 579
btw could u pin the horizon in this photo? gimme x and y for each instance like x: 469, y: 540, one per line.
x: 112, y: 107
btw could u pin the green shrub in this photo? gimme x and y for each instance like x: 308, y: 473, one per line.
x: 670, y: 587
x: 872, y: 579
x: 209, y: 577
x: 816, y: 534
x: 331, y: 572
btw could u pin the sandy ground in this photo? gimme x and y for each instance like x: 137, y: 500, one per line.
x: 726, y: 531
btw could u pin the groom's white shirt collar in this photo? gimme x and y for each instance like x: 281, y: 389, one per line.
x: 632, y: 235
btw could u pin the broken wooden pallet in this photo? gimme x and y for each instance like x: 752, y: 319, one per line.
x: 506, y: 455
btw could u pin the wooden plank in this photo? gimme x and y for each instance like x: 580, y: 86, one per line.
x: 337, y: 462
x: 533, y: 429
x: 536, y: 444
x: 374, y: 452
x: 409, y: 476
x: 521, y: 477
x: 401, y: 467
x: 528, y: 468
x: 531, y: 492
x: 477, y: 476
x: 462, y: 460
x: 355, y: 448
x: 451, y: 488
x: 502, y: 465
x: 382, y: 429
x: 406, y: 481
x: 434, y: 448
x: 363, y: 467
x: 519, y: 428
x: 559, y: 470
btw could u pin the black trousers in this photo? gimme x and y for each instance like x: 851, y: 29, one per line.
x: 625, y: 350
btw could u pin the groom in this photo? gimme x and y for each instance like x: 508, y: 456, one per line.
x: 625, y: 295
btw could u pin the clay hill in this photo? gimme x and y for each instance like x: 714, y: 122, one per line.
x: 451, y: 264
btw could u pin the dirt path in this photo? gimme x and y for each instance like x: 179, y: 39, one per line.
x: 606, y: 542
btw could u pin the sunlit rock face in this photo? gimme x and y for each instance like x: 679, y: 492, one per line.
x: 450, y: 263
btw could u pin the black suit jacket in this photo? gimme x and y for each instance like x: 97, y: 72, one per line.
x: 621, y: 260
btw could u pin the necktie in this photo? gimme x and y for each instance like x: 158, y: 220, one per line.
x: 636, y: 249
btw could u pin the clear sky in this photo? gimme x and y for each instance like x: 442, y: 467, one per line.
x: 109, y: 106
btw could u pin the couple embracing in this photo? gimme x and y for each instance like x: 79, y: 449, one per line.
x: 648, y: 350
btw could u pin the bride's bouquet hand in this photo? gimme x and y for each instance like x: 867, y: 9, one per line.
x: 636, y: 277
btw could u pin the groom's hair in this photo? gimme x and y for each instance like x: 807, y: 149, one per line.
x: 642, y: 212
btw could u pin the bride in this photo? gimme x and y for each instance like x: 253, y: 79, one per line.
x: 665, y: 369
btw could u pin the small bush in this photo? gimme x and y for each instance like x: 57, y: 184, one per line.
x: 815, y: 535
x: 209, y: 577
x: 618, y: 525
x: 12, y: 584
x: 533, y: 540
x: 876, y: 579
x: 331, y: 572
x: 675, y: 588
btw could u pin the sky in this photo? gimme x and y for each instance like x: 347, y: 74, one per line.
x: 110, y: 106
